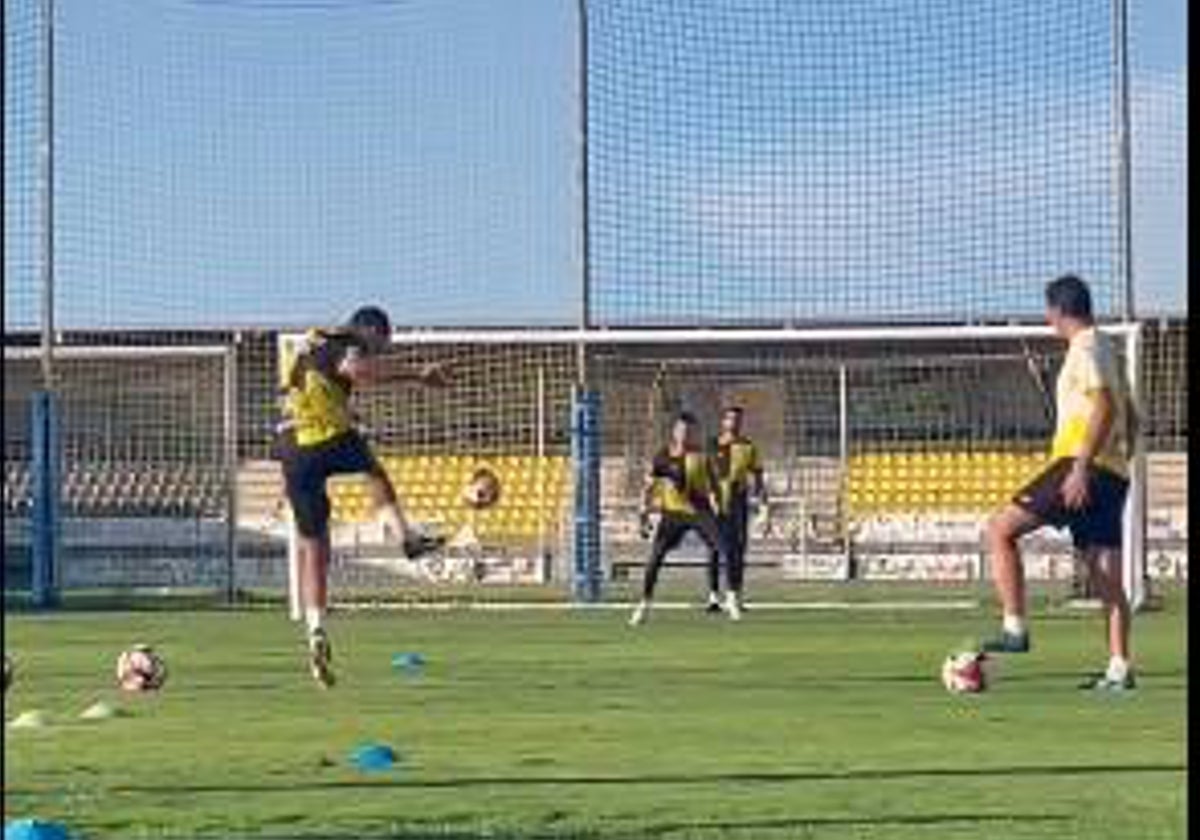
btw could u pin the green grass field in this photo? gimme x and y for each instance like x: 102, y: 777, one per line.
x: 554, y: 724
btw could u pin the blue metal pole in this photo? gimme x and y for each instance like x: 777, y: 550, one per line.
x: 44, y: 531
x: 585, y: 456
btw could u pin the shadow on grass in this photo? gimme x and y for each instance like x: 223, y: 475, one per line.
x: 293, y: 786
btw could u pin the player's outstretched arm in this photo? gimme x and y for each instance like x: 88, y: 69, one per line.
x: 381, y: 370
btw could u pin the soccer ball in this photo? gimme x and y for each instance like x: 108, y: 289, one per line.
x: 965, y: 672
x: 483, y: 490
x: 141, y: 669
x: 9, y: 671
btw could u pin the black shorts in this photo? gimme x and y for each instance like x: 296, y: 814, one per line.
x: 1099, y: 524
x: 673, y: 527
x: 306, y: 469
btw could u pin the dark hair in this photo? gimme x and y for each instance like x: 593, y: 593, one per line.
x: 734, y: 409
x: 1070, y: 296
x: 371, y: 318
x: 686, y: 417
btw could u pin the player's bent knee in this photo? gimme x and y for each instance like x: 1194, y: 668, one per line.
x: 1000, y: 531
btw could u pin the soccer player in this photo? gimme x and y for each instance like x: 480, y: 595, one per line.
x: 740, y: 486
x: 318, y: 439
x: 682, y: 487
x: 1083, y: 488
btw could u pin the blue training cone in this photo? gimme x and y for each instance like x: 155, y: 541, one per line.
x: 372, y: 758
x: 409, y: 662
x: 34, y: 830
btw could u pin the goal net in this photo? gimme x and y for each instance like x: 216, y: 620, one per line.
x: 143, y: 480
x: 885, y: 450
x: 506, y: 410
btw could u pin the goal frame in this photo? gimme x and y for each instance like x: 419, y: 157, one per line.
x: 1128, y: 332
x: 46, y: 519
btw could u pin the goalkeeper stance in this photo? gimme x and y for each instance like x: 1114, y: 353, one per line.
x: 740, y: 488
x: 681, y: 486
x: 318, y: 439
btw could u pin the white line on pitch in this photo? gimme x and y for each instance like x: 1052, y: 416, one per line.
x: 765, y: 606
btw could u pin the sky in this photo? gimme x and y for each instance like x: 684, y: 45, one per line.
x: 274, y: 163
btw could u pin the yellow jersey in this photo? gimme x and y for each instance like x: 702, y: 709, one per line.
x: 1091, y: 366
x: 316, y: 396
x: 736, y: 461
x: 682, y: 483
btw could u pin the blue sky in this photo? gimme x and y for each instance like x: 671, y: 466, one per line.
x: 275, y: 162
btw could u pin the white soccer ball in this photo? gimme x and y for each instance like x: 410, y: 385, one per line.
x: 483, y: 489
x: 141, y: 669
x: 966, y: 672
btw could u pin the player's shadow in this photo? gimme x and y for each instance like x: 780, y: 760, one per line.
x: 402, y: 781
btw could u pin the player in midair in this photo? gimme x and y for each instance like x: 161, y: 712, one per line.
x: 318, y: 439
x: 681, y: 486
x: 1083, y: 488
x: 740, y: 487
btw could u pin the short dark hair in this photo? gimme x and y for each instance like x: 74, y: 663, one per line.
x: 371, y: 318
x: 686, y: 417
x: 733, y: 409
x: 1070, y: 296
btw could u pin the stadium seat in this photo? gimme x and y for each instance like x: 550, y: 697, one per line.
x: 431, y: 488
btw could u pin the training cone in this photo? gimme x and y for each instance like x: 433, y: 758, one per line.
x: 100, y: 711
x: 33, y: 719
x: 408, y: 661
x: 373, y: 758
x: 34, y: 830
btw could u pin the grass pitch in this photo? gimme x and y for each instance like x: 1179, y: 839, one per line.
x: 546, y: 724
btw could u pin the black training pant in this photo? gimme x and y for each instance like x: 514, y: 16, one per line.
x: 671, y: 530
x: 735, y: 533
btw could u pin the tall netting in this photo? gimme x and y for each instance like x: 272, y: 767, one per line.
x: 24, y: 131
x: 224, y: 169
x: 253, y: 163
x: 1158, y: 95
x: 145, y: 479
x: 223, y: 174
x: 848, y: 161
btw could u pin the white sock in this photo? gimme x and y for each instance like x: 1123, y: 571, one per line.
x: 1118, y: 668
x: 314, y: 617
x: 714, y: 597
x: 1014, y: 624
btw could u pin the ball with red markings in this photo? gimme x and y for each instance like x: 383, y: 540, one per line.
x: 141, y: 668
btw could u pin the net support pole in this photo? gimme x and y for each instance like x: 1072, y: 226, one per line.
x: 1122, y: 159
x: 1133, y: 566
x: 46, y: 195
x: 540, y: 410
x: 585, y: 459
x: 844, y: 466
x: 230, y: 454
x: 46, y: 463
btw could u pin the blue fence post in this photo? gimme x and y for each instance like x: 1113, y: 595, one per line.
x: 585, y: 458
x: 45, y: 461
